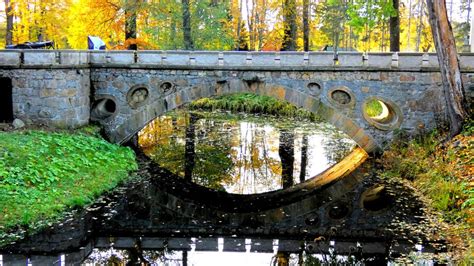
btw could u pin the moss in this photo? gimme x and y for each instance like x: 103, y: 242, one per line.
x: 43, y: 174
x: 373, y: 108
x: 252, y: 103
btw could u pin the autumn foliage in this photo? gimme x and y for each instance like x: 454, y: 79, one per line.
x: 222, y: 25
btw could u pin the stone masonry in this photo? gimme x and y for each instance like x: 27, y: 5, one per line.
x: 128, y: 89
x: 52, y: 97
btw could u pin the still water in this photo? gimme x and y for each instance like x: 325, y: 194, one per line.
x: 243, y: 153
x: 200, y: 200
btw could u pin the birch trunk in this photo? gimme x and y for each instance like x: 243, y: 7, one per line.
x: 449, y: 64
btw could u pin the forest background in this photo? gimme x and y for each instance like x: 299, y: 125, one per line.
x: 266, y: 25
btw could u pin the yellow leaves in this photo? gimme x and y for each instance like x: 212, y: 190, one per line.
x: 40, y: 19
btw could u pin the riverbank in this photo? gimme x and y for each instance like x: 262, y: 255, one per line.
x: 44, y: 174
x: 443, y: 174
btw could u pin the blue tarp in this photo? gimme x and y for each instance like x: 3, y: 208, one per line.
x: 95, y: 43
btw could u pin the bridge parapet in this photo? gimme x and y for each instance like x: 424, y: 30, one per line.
x: 131, y: 88
x: 227, y: 59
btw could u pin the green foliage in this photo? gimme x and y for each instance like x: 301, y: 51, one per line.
x: 443, y: 173
x: 43, y: 174
x: 439, y: 172
x: 333, y: 16
x: 373, y: 108
x: 252, y: 103
x: 210, y: 25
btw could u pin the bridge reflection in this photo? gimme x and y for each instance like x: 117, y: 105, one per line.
x: 161, y: 211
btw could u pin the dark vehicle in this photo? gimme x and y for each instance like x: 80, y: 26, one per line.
x: 32, y: 45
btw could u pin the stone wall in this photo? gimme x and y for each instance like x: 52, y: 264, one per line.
x: 130, y: 88
x: 51, y: 97
x: 416, y: 98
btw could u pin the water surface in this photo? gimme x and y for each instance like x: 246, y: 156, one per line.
x: 243, y: 153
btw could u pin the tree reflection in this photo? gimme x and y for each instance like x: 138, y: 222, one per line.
x: 335, y: 149
x: 241, y: 153
x: 189, y: 149
x: 287, y: 156
x: 304, y: 157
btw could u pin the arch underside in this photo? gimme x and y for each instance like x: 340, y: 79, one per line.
x: 122, y: 132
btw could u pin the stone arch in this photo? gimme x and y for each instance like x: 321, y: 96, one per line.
x: 128, y: 127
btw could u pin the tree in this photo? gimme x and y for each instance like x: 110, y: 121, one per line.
x: 287, y: 156
x: 9, y: 29
x: 289, y: 33
x: 306, y: 25
x: 449, y: 64
x: 304, y: 157
x: 395, y: 27
x: 188, y: 40
x: 131, y: 24
x: 243, y: 40
x: 190, y: 150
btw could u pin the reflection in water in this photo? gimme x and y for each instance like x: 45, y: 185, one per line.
x: 156, y: 220
x: 242, y: 154
x: 235, y: 251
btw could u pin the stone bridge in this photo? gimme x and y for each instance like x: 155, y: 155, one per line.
x: 124, y: 90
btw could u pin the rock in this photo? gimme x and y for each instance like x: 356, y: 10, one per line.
x: 17, y: 124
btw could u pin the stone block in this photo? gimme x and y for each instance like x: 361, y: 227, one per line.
x: 10, y: 58
x: 410, y: 60
x: 350, y: 59
x: 235, y: 58
x: 321, y: 59
x: 379, y: 60
x: 265, y: 59
x: 39, y: 57
x: 206, y: 244
x: 176, y: 58
x: 467, y: 61
x: 292, y: 59
x: 74, y: 58
x: 149, y: 57
x: 98, y: 57
x: 121, y: 57
x: 204, y: 58
x: 48, y: 92
x: 234, y: 244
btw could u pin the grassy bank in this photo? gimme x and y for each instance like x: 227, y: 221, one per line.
x: 252, y: 103
x: 444, y: 173
x: 42, y: 174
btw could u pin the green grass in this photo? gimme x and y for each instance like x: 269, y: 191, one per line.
x: 252, y: 103
x: 373, y: 108
x: 43, y: 174
x: 443, y: 174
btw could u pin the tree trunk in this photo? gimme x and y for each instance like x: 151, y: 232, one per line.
x: 304, y: 157
x: 449, y: 64
x: 239, y: 25
x: 289, y: 36
x: 420, y: 25
x: 189, y: 148
x: 131, y: 25
x: 306, y: 25
x: 409, y: 24
x: 9, y: 16
x: 395, y: 28
x: 188, y: 40
x: 250, y: 22
x: 287, y: 157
